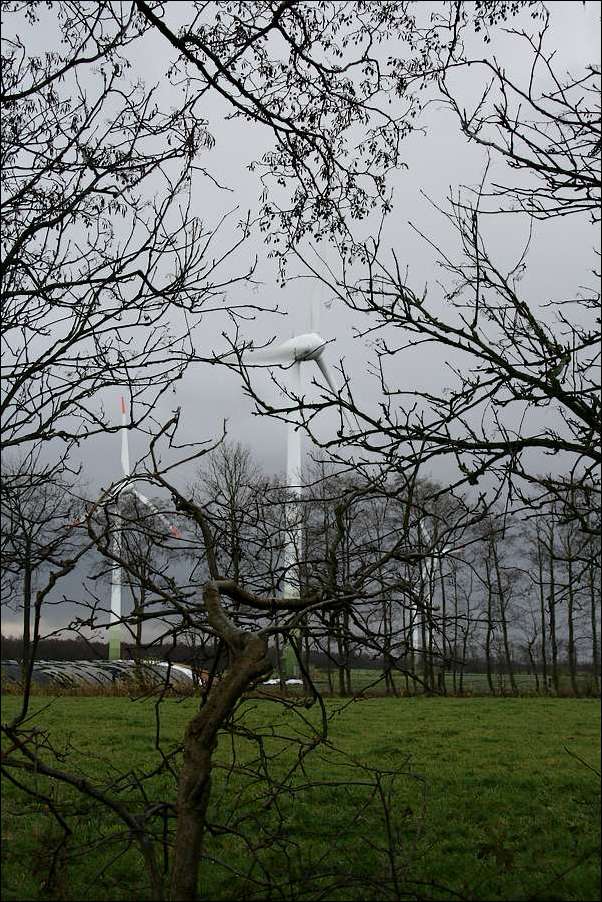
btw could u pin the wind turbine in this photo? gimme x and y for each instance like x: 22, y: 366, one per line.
x: 293, y: 353
x: 115, y: 627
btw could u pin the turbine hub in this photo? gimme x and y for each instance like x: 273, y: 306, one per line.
x: 308, y: 346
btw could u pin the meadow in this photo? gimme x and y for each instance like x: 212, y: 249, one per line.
x: 408, y: 798
x: 471, y: 684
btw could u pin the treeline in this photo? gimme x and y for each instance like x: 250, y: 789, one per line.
x: 11, y: 648
x: 420, y: 581
x: 441, y: 586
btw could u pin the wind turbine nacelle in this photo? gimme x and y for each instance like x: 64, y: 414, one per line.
x: 302, y: 347
x: 308, y: 346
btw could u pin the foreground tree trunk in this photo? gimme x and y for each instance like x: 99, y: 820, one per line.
x: 542, y: 612
x: 489, y: 632
x: 503, y: 592
x: 593, y: 605
x: 329, y: 656
x: 552, y: 601
x: 248, y: 663
x: 533, y: 662
x: 27, y: 596
x: 570, y: 614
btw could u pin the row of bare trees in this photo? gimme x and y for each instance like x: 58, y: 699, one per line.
x: 502, y: 592
x: 496, y: 593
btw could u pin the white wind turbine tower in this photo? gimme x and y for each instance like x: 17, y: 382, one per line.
x: 115, y: 627
x: 306, y: 348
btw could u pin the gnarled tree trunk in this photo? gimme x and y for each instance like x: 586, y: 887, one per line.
x: 248, y: 663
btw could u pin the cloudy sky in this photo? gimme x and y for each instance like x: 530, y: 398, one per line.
x: 437, y: 160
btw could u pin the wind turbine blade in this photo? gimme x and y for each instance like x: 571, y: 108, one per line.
x: 314, y: 316
x: 326, y: 373
x: 125, y: 450
x: 171, y: 528
x: 279, y: 354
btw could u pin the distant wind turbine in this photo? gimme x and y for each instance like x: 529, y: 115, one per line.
x: 115, y: 626
x: 305, y: 348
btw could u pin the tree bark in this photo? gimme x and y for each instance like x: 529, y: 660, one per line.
x: 572, y: 653
x: 248, y: 662
x: 533, y: 662
x: 329, y: 655
x: 444, y: 639
x: 552, y: 612
x: 542, y: 613
x: 456, y: 626
x: 489, y: 632
x: 27, y: 594
x: 503, y: 604
x: 593, y: 606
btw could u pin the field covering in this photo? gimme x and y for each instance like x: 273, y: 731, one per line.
x: 486, y: 799
x: 370, y: 681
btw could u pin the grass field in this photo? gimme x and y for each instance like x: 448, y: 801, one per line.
x: 487, y: 800
x: 472, y: 683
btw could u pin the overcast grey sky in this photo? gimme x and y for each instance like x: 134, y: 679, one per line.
x: 437, y: 160
x: 559, y: 261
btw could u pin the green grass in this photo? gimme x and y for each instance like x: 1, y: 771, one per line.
x: 472, y: 684
x: 485, y: 801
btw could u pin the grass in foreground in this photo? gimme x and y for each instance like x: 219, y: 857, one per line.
x: 490, y: 802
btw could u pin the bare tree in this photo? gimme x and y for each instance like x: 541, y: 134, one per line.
x: 501, y: 583
x: 38, y: 511
x: 248, y: 662
x: 510, y: 357
x: 104, y: 268
x: 145, y: 544
x: 228, y: 487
